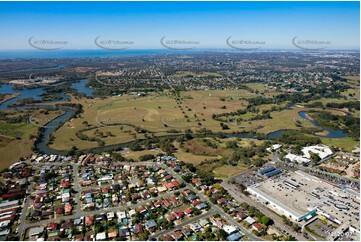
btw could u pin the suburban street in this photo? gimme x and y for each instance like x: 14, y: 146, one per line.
x: 22, y: 219
x: 216, y: 208
x: 95, y: 212
x: 78, y: 212
x: 189, y: 221
x: 232, y: 189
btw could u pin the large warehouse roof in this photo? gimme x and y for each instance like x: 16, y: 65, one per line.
x: 276, y: 202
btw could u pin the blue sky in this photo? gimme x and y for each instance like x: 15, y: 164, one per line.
x: 210, y: 23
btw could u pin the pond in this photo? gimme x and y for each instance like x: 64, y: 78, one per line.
x: 23, y: 93
x: 81, y: 87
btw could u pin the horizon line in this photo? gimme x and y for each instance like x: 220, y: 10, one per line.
x: 175, y: 50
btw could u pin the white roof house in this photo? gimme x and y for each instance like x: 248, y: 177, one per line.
x: 121, y: 214
x: 274, y: 147
x: 36, y: 231
x: 110, y: 215
x: 229, y: 229
x: 101, y: 236
x: 4, y: 232
x: 5, y: 223
x: 322, y: 151
x: 297, y: 158
x: 250, y: 220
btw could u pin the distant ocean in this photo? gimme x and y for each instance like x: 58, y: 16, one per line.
x: 86, y: 53
x: 11, y: 54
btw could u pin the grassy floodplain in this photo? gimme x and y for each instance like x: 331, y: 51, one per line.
x: 117, y: 119
x: 120, y: 119
x: 17, y: 139
x: 158, y: 114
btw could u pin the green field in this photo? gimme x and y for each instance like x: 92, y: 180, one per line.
x: 344, y: 143
x: 157, y: 114
x: 227, y: 171
x: 120, y: 119
x: 15, y: 142
x: 17, y: 139
x: 160, y: 113
x: 257, y: 86
x: 353, y: 80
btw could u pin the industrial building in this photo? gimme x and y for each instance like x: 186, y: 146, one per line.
x: 269, y: 172
x: 322, y: 151
x: 300, y: 197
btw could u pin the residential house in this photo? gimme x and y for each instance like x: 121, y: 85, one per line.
x: 250, y: 220
x: 177, y: 235
x: 188, y: 212
x: 257, y: 226
x: 151, y: 225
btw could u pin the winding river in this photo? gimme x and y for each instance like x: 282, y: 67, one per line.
x: 35, y: 93
x: 330, y: 133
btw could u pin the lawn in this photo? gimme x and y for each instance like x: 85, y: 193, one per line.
x: 114, y: 134
x: 190, y: 158
x: 245, y: 142
x: 136, y: 154
x: 280, y: 120
x: 352, y: 94
x: 344, y: 143
x: 15, y: 139
x: 354, y: 80
x: 41, y: 118
x: 227, y: 171
x: 257, y: 86
x: 199, y: 147
x: 285, y: 119
x: 16, y: 142
x: 324, y: 101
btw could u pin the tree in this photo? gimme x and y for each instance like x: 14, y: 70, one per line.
x: 290, y: 238
x: 117, y: 157
x: 207, y: 177
x: 191, y: 167
x: 187, y: 178
x: 196, y: 211
x: 222, y: 235
x: 135, y: 147
x: 265, y: 220
x: 286, y: 220
x: 143, y: 236
x: 72, y: 151
x: 232, y: 144
x: 315, y: 157
x: 98, y: 228
x: 258, y: 213
x: 146, y: 157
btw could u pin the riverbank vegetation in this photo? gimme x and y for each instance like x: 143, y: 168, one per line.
x: 349, y: 124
